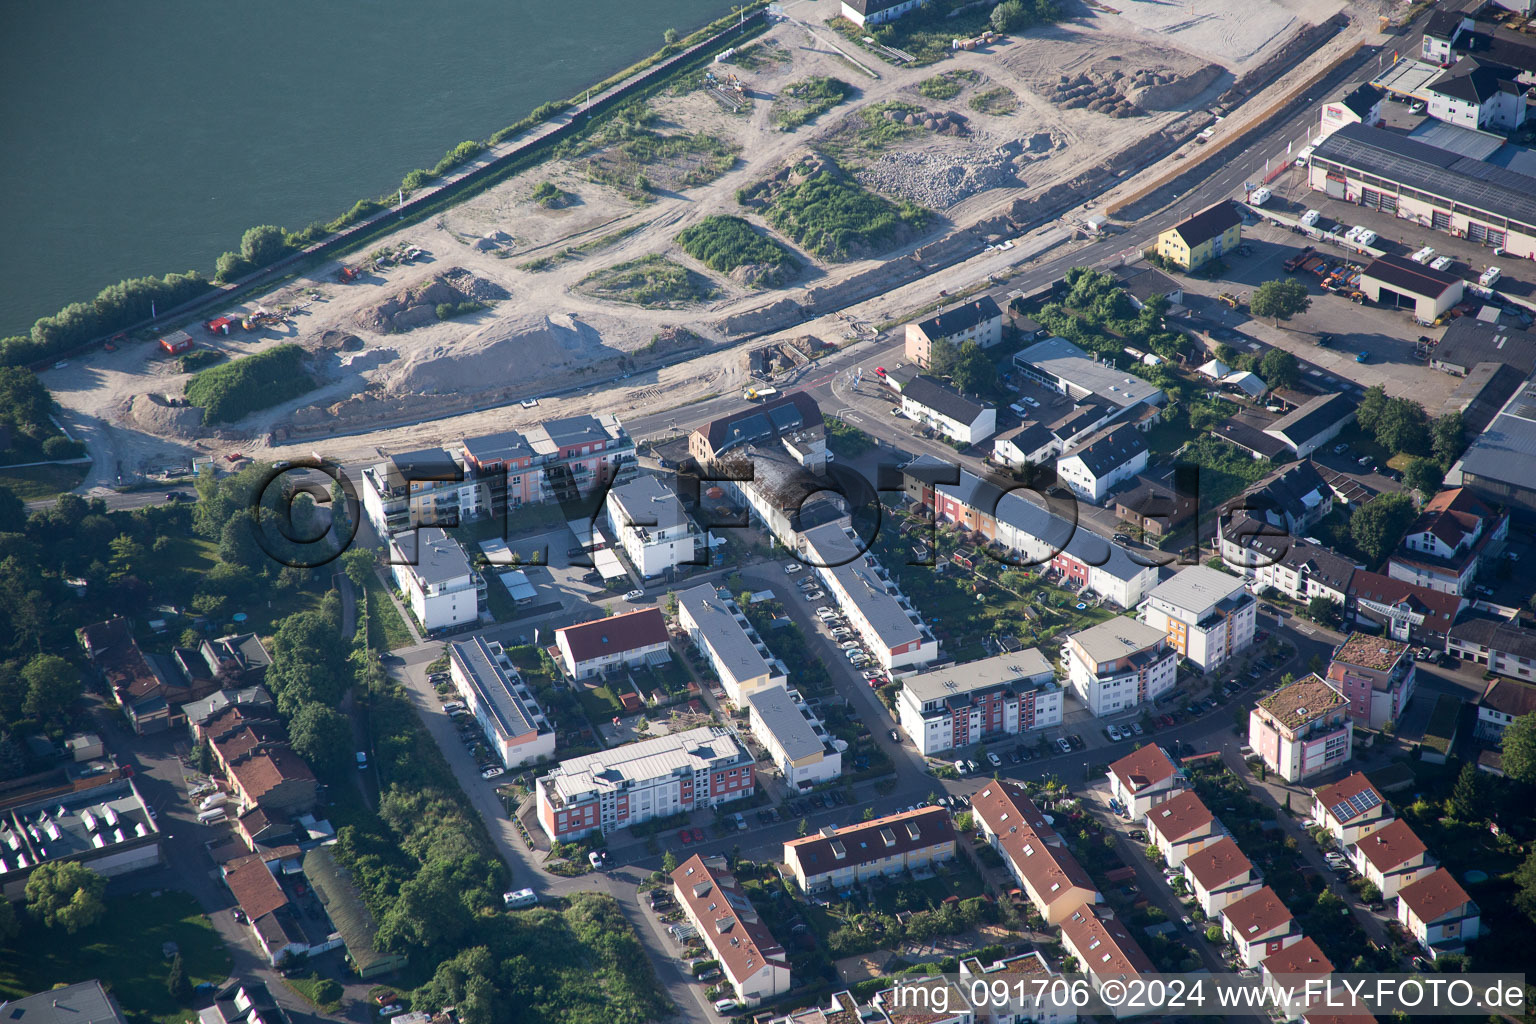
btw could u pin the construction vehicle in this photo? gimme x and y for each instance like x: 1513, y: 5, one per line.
x: 754, y: 394
x: 1294, y: 263
x: 1230, y: 300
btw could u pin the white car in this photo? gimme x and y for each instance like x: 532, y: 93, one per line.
x: 1310, y: 218
x: 635, y: 595
x: 519, y: 898
x: 724, y: 1005
x: 815, y: 595
x: 793, y: 567
x: 1441, y: 263
x: 1259, y: 197
x: 1488, y: 277
x: 491, y: 773
x: 994, y: 760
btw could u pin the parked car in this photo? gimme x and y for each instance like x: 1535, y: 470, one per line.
x: 1112, y: 731
x: 724, y: 1006
x: 1340, y: 448
x: 994, y: 760
x: 793, y: 567
x: 635, y: 595
x: 814, y: 595
x: 391, y: 1010
x: 492, y: 772
x: 1136, y: 729
x: 685, y: 836
x: 1066, y: 748
x: 895, y: 736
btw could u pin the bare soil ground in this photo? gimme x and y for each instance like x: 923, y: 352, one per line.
x: 547, y: 333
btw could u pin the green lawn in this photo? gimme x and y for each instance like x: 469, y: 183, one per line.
x: 386, y: 629
x: 36, y: 483
x: 321, y: 993
x: 959, y: 879
x: 123, y: 950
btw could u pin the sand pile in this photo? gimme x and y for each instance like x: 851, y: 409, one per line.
x: 416, y: 306
x: 1158, y: 91
x: 154, y: 414
x: 522, y: 348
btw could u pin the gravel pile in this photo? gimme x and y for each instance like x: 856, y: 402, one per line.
x: 939, y: 180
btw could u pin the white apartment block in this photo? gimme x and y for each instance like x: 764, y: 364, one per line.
x: 649, y: 522
x: 501, y: 702
x: 721, y: 633
x: 875, y: 607
x: 436, y: 579
x: 1208, y: 615
x: 1118, y: 664
x: 796, y: 741
x: 955, y: 706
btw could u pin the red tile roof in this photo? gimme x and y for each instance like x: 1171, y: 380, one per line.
x: 1452, y: 516
x: 1349, y: 798
x: 261, y: 772
x: 1033, y: 846
x: 1434, y: 896
x: 1391, y: 845
x: 116, y: 654
x: 616, y: 634
x: 1257, y: 915
x: 728, y: 923
x: 1176, y: 818
x: 255, y: 889
x: 1303, y: 958
x: 872, y: 840
x: 1217, y: 864
x: 1105, y: 946
x: 1142, y: 768
x: 1439, y: 610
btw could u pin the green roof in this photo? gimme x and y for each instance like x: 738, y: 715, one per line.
x: 347, y: 911
x: 1441, y: 729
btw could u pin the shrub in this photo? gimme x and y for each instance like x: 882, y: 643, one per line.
x: 815, y: 97
x: 724, y: 243
x: 449, y: 310
x: 235, y: 389
x: 199, y: 359
x: 837, y: 220
x: 60, y: 447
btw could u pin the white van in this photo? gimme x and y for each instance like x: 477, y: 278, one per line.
x: 211, y: 817
x: 209, y: 803
x: 519, y: 898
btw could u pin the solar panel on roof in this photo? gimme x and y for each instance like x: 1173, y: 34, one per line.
x: 1364, y: 801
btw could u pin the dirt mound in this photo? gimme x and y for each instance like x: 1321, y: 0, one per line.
x: 417, y: 305
x: 334, y: 341
x: 1160, y: 91
x: 940, y: 178
x: 525, y: 347
x: 155, y: 414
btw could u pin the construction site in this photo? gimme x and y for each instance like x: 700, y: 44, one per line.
x: 571, y: 274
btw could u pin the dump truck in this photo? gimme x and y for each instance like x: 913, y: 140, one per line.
x: 1294, y: 263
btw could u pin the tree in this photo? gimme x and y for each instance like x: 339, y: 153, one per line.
x: 1279, y: 368
x: 1469, y: 798
x: 804, y: 828
x: 1446, y: 438
x: 1371, y: 405
x: 1213, y: 934
x: 1008, y: 15
x: 1280, y: 299
x: 263, y: 244
x: 1525, y: 886
x: 942, y: 356
x: 964, y: 822
x: 669, y: 37
x: 176, y: 982
x: 322, y: 736
x: 1323, y: 610
x: 1424, y: 476
x: 127, y: 556
x: 973, y: 371
x: 358, y: 564
x: 668, y: 862
x: 66, y: 894
x: 1520, y: 749
x: 1377, y: 525
x: 53, y: 686
x: 1402, y: 427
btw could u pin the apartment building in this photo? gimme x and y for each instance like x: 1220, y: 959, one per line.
x: 1392, y: 857
x: 501, y: 702
x: 569, y: 460
x: 875, y: 607
x: 1056, y: 884
x: 1103, y: 462
x: 799, y: 745
x: 1219, y: 875
x: 940, y: 406
x: 1180, y: 826
x: 626, y: 785
x: 1453, y: 538
x: 426, y: 487
x: 440, y: 587
x: 1303, y: 729
x: 649, y: 523
x: 1350, y: 809
x: 1119, y: 664
x: 1208, y: 615
x: 979, y: 320
x: 793, y: 419
x: 1068, y: 370
x: 597, y: 646
x: 723, y: 635
x: 1258, y: 926
x: 1505, y: 648
x: 752, y: 960
x: 958, y: 705
x: 891, y: 845
x: 1030, y: 1003
x: 1102, y: 947
x: 1376, y: 675
x: 1299, y: 569
x: 1438, y: 913
x: 1402, y: 610
x: 1143, y: 779
x: 1200, y: 238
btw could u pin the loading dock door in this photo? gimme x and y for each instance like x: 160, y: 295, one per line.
x: 1391, y: 297
x: 1334, y: 186
x: 1440, y: 221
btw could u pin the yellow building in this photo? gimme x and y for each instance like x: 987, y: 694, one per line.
x: 1197, y: 240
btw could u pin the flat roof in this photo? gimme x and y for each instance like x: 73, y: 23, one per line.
x: 1116, y: 638
x: 492, y: 682
x: 855, y: 573
x: 1408, y: 77
x: 679, y: 753
x: 953, y: 680
x: 1059, y: 358
x: 432, y: 556
x: 726, y: 636
x: 782, y: 716
x: 1469, y: 341
x: 1506, y: 450
x: 1198, y: 588
x: 1307, y: 699
x: 647, y: 503
x: 1379, y: 653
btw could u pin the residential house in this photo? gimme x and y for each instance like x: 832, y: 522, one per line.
x: 1103, y: 462
x: 862, y: 590
x: 1376, y: 675
x: 1141, y: 281
x: 633, y: 638
x: 494, y: 692
x: 1056, y: 884
x: 1454, y: 537
x: 261, y: 768
x: 877, y: 12
x: 633, y: 783
x: 1119, y: 664
x: 200, y: 712
x: 1293, y: 499
x: 1198, y: 239
x: 1155, y: 509
x: 1503, y: 701
x: 266, y: 908
x: 943, y: 408
x: 1029, y: 1003
x: 1505, y: 648
x: 1303, y: 729
x: 245, y: 1002
x: 1219, y: 875
x: 958, y: 705
x: 720, y: 631
x: 1478, y: 95
x: 1361, y: 105
x: 796, y: 741
x: 1208, y: 615
x: 1350, y: 809
x: 1144, y: 778
x: 441, y: 588
x: 1102, y: 947
x: 1295, y: 965
x: 841, y: 1009
x: 649, y: 523
x: 1438, y: 913
x: 1402, y: 610
x: 1392, y: 857
x: 1309, y: 427
x: 1441, y: 32
x: 889, y: 845
x: 84, y: 1002
x: 1259, y: 925
x: 794, y: 417
x: 1297, y: 568
x: 134, y: 683
x: 1181, y: 825
x: 977, y: 320
x: 753, y: 961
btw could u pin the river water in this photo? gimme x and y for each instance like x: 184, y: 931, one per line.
x: 145, y: 137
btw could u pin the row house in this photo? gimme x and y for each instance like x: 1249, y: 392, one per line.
x: 1056, y: 884
x: 1503, y: 701
x: 1392, y: 857
x: 796, y: 741
x: 1376, y: 675
x: 1297, y: 568
x: 752, y: 960
x: 1505, y: 648
x: 955, y: 706
x: 1119, y: 664
x: 1454, y: 536
x: 934, y: 404
x: 1103, y: 947
x: 1208, y: 615
x: 1350, y: 809
x: 1438, y: 913
x: 1303, y: 729
x: 634, y: 638
x: 656, y: 778
x: 721, y: 633
x: 891, y: 845
x: 263, y: 771
x: 651, y: 527
x: 1181, y: 826
x: 862, y: 590
x: 1258, y: 926
x: 1219, y: 875
x: 1143, y: 779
